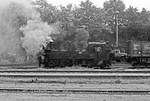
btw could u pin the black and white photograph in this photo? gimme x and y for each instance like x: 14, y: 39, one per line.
x: 74, y: 50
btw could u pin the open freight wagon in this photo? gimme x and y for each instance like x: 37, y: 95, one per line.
x: 139, y: 53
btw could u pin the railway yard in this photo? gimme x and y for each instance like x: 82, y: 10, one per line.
x: 74, y: 51
x: 74, y: 84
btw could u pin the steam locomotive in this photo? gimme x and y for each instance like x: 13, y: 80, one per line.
x: 96, y: 55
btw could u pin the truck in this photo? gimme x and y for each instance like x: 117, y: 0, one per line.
x: 119, y: 56
x: 138, y: 53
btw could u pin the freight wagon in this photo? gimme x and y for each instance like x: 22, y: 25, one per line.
x: 138, y: 53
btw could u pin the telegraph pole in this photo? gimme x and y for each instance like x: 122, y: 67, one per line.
x: 116, y: 28
x: 116, y: 24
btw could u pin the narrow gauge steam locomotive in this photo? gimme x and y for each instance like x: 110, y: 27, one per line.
x: 96, y: 55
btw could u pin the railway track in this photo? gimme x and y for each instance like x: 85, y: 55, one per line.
x: 76, y: 75
x: 50, y: 74
x: 96, y: 71
x: 78, y: 91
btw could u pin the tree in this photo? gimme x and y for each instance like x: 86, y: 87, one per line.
x: 137, y: 24
x: 111, y: 9
x: 48, y: 12
x: 93, y: 18
x: 132, y: 15
x: 81, y: 39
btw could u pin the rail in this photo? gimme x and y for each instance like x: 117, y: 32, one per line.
x: 78, y: 91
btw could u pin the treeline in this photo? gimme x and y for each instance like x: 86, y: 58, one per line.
x: 99, y: 22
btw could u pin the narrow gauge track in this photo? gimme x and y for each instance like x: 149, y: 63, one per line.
x: 78, y: 91
x: 90, y: 71
x: 76, y: 75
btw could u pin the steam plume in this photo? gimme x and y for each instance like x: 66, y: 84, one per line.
x: 12, y: 16
x: 21, y: 31
x: 36, y: 33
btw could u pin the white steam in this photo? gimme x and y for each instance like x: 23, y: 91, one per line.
x: 36, y: 33
x: 21, y: 31
x: 10, y: 45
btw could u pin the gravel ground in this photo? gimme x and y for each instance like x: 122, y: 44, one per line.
x: 102, y: 84
x: 66, y: 83
x: 70, y: 97
x: 67, y: 86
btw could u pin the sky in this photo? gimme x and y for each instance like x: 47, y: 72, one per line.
x: 99, y: 3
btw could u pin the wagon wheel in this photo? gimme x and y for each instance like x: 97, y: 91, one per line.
x: 84, y: 63
x: 51, y: 63
x: 105, y: 64
x: 62, y: 63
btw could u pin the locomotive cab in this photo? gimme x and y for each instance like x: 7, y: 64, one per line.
x: 101, y: 52
x: 95, y: 46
